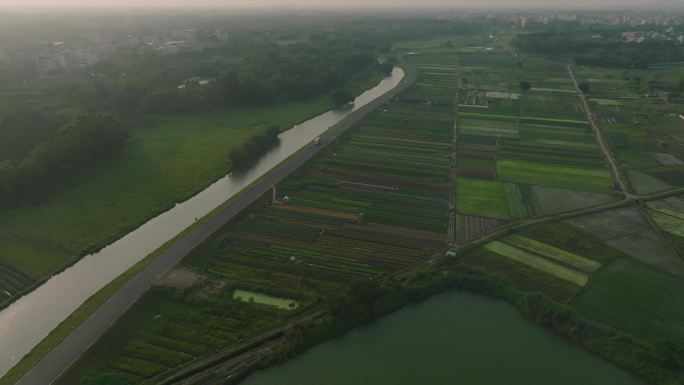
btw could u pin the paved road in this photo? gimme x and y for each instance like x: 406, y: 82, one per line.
x: 617, y: 178
x: 59, y: 359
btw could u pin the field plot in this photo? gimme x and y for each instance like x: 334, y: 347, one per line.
x: 632, y: 297
x: 626, y: 230
x: 552, y: 200
x: 519, y: 151
x: 538, y: 262
x: 482, y: 198
x: 374, y: 202
x: 551, y: 258
x: 644, y: 132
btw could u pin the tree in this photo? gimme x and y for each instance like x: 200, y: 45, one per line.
x: 525, y: 85
x: 341, y: 96
x: 584, y: 87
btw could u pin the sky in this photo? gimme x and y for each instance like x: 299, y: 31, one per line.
x: 575, y: 4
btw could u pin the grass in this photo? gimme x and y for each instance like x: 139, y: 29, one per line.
x: 33, y: 259
x: 482, y: 198
x: 630, y: 296
x: 538, y: 263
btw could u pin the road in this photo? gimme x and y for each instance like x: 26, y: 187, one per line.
x: 60, y: 358
x: 617, y: 178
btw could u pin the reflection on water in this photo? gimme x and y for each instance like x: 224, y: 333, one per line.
x: 29, y: 319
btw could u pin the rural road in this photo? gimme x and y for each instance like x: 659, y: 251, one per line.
x: 60, y: 358
x: 617, y: 178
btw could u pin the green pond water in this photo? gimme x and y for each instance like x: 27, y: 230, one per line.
x: 454, y: 338
x: 251, y: 296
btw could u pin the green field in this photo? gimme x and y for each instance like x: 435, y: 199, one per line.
x: 538, y: 263
x: 573, y: 260
x: 481, y: 198
x: 630, y: 296
x: 546, y: 174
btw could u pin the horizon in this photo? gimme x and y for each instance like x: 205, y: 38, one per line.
x: 499, y: 5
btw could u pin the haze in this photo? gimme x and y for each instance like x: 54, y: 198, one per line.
x: 353, y: 3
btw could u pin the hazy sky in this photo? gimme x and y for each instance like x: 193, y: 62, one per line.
x: 576, y: 4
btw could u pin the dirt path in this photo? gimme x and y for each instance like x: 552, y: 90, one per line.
x: 617, y: 178
x: 452, y: 193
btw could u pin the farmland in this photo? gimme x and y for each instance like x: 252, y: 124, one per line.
x: 543, y: 258
x: 465, y: 143
x: 373, y: 203
x: 640, y: 125
x: 517, y: 150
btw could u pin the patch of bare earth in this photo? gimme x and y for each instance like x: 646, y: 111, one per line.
x: 181, y: 278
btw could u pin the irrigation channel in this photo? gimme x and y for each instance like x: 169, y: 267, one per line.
x: 28, y: 320
x: 452, y: 338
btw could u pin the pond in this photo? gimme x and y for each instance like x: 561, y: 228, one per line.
x: 251, y: 296
x: 453, y: 338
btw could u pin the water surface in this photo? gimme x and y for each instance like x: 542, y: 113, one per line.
x: 451, y: 339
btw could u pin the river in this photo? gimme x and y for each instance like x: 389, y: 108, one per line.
x: 453, y: 338
x: 28, y: 320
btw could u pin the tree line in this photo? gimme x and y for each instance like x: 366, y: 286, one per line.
x: 87, y: 140
x: 600, y: 52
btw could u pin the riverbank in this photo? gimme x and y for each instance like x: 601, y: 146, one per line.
x: 644, y: 361
x: 170, y: 257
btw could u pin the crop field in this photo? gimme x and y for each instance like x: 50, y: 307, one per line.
x: 552, y: 258
x: 630, y: 296
x: 374, y: 202
x: 538, y: 262
x: 519, y: 151
x: 625, y: 229
x: 644, y: 132
x: 545, y: 258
